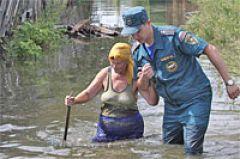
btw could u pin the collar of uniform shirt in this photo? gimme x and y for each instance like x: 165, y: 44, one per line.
x: 150, y: 50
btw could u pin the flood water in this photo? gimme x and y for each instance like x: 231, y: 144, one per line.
x: 32, y: 111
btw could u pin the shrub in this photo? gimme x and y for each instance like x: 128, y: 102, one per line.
x: 218, y: 23
x: 33, y: 39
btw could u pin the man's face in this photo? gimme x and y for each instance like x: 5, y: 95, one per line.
x: 142, y: 34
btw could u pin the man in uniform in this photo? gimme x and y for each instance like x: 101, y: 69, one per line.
x: 167, y: 56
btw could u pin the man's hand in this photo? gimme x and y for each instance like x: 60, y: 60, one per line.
x: 145, y: 76
x: 233, y: 91
x: 147, y: 71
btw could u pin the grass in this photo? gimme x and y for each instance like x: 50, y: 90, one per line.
x: 218, y: 23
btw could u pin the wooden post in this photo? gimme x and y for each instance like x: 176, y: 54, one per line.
x: 9, y: 9
x: 7, y: 21
x: 2, y: 16
x: 7, y: 15
x: 16, y: 8
x: 31, y: 7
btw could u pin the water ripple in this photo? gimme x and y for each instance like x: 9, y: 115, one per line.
x: 10, y: 127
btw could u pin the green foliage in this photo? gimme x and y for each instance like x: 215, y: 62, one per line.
x: 33, y: 39
x: 218, y: 23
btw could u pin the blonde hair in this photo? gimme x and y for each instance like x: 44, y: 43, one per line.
x: 122, y: 51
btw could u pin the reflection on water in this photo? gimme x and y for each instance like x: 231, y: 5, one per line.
x: 33, y: 114
x: 170, y: 12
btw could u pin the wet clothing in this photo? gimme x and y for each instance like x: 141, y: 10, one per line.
x: 118, y: 104
x: 182, y: 83
x: 119, y: 118
x: 187, y: 123
x: 119, y: 128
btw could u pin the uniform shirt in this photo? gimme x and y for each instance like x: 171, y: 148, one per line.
x: 178, y: 75
x: 150, y: 50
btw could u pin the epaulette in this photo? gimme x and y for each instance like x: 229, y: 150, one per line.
x: 135, y: 46
x: 168, y: 32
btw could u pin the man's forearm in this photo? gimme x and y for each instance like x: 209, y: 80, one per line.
x: 218, y: 62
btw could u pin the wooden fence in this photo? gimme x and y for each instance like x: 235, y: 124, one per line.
x: 15, y: 11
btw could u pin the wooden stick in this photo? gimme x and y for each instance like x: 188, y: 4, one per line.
x: 67, y: 120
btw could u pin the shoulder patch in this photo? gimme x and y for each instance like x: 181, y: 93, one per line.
x: 167, y: 32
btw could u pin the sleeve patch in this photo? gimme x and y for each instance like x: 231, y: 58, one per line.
x: 189, y: 39
x: 182, y: 35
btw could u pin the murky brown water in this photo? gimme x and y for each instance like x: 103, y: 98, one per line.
x: 32, y: 112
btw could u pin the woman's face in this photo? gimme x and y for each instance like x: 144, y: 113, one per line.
x: 119, y: 66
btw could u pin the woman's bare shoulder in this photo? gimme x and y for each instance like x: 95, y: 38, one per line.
x: 103, y: 72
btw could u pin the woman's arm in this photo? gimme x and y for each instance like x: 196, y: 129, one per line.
x: 95, y: 87
x: 150, y: 94
x: 145, y: 85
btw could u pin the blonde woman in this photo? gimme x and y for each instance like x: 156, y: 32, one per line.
x: 119, y: 118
